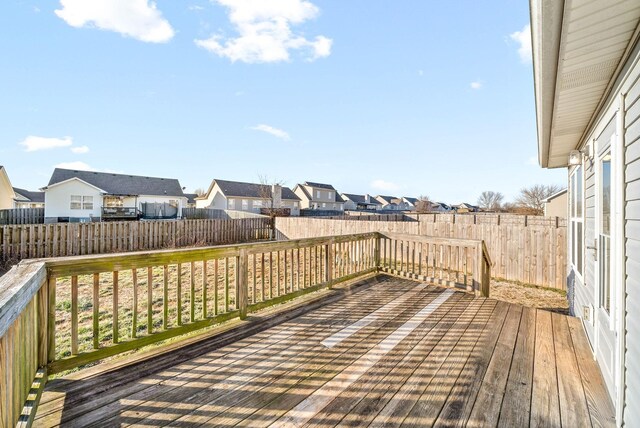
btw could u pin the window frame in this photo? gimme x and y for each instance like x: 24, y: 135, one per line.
x: 78, y: 201
x: 576, y: 220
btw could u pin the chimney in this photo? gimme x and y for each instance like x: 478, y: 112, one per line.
x: 367, y: 198
x: 276, y: 192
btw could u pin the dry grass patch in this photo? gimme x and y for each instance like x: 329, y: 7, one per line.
x: 531, y: 296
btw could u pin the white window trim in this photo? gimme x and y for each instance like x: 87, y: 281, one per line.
x: 572, y: 243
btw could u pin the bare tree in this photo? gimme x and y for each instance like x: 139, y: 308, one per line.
x: 266, y: 193
x: 424, y: 204
x: 490, y: 201
x: 531, y: 199
x: 200, y: 191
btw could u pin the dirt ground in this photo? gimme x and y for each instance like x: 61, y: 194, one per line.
x: 535, y: 297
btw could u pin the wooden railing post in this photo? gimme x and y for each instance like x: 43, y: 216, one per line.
x: 330, y: 261
x: 243, y: 282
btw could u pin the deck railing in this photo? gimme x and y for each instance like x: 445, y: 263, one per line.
x: 58, y: 314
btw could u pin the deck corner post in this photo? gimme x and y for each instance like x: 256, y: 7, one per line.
x: 243, y: 283
x: 51, y: 318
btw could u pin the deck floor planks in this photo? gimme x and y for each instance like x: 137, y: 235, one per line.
x: 427, y: 408
x: 272, y: 402
x: 335, y: 315
x: 516, y: 405
x: 573, y: 404
x: 395, y: 411
x: 486, y: 408
x: 545, y: 407
x: 457, y: 409
x: 374, y: 400
x: 477, y: 363
x: 358, y: 400
x: 310, y: 352
x: 600, y: 406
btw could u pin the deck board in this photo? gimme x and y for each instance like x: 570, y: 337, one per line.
x: 467, y: 361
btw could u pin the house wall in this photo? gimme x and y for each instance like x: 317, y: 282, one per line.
x: 557, y: 207
x: 6, y: 191
x: 57, y: 201
x: 632, y: 241
x: 627, y: 88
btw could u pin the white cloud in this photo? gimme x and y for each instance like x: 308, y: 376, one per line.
x: 139, y: 19
x: 523, y: 38
x: 75, y: 166
x: 386, y: 186
x: 264, y: 32
x: 476, y: 85
x: 80, y: 149
x: 34, y: 144
x: 283, y: 135
x: 196, y: 8
x: 420, y: 72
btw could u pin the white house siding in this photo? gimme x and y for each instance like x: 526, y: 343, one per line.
x: 6, y: 191
x: 632, y: 244
x: 57, y: 201
x: 557, y: 207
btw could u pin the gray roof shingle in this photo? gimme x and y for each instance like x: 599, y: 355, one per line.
x: 27, y: 195
x: 319, y: 185
x: 122, y: 184
x: 252, y: 190
x: 360, y: 199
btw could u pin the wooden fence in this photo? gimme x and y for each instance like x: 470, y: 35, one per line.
x: 209, y: 213
x: 22, y: 216
x: 19, y: 242
x: 527, y: 249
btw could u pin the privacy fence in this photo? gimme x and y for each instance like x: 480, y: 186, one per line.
x: 19, y: 242
x: 527, y: 249
x: 22, y: 216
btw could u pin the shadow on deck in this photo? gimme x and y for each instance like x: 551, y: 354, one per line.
x: 401, y: 353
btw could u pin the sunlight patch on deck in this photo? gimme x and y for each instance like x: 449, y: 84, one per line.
x: 352, y: 329
x: 315, y: 402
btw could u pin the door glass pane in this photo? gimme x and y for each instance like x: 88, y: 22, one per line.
x: 578, y: 178
x: 604, y: 239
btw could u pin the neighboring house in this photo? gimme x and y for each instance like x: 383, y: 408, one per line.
x: 251, y: 197
x: 409, y: 203
x: 440, y: 207
x: 388, y: 202
x: 28, y: 199
x: 466, y: 208
x: 318, y: 196
x: 360, y: 202
x: 79, y: 196
x: 586, y: 58
x: 556, y: 205
x: 191, y: 199
x: 7, y: 195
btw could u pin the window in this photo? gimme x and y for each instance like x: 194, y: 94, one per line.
x: 605, y: 233
x: 79, y: 202
x: 329, y: 195
x: 324, y: 205
x: 577, y: 223
x: 76, y: 202
x: 295, y: 205
x: 257, y: 203
x: 318, y: 194
x: 87, y: 202
x: 245, y: 205
x: 232, y: 204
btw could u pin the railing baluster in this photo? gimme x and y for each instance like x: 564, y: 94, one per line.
x: 226, y: 284
x: 271, y: 296
x: 165, y: 298
x: 264, y: 299
x: 96, y: 310
x: 149, y: 300
x: 255, y: 279
x: 134, y: 314
x: 74, y: 315
x: 216, y: 306
x: 115, y: 308
x: 179, y: 294
x: 205, y: 285
x: 192, y: 297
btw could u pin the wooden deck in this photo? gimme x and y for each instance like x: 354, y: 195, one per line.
x: 397, y: 352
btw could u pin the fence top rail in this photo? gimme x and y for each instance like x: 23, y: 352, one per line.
x: 17, y: 288
x: 457, y: 242
x: 82, y: 265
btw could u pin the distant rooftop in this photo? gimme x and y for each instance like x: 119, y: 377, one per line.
x: 319, y: 185
x: 121, y: 184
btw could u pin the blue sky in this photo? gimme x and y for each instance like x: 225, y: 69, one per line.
x: 409, y: 98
